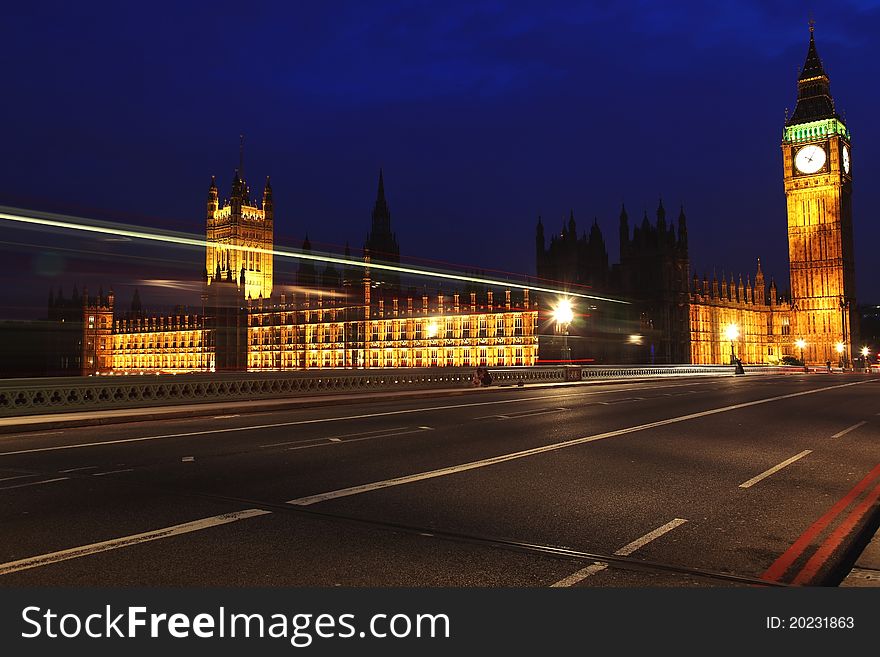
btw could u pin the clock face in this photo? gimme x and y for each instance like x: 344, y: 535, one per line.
x: 845, y: 159
x: 809, y: 159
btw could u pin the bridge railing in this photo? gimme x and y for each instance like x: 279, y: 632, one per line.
x: 62, y: 394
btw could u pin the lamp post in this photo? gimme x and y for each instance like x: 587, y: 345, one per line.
x: 563, y: 314
x: 865, y: 353
x: 801, y: 344
x: 732, y: 333
x: 840, y: 357
x: 844, y: 306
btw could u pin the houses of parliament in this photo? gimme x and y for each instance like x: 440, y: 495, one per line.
x: 355, y: 317
x: 681, y: 317
x: 361, y: 317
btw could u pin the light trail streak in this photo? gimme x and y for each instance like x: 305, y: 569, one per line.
x: 185, y: 239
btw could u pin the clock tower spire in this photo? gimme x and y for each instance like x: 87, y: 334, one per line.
x: 818, y: 187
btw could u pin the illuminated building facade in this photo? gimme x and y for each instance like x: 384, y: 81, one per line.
x: 817, y: 168
x: 240, y: 236
x: 738, y: 320
x: 350, y: 319
x: 673, y: 319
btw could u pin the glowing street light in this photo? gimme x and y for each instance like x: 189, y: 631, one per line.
x: 732, y: 333
x: 865, y: 352
x: 563, y: 314
x: 801, y: 343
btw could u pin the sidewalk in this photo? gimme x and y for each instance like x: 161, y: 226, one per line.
x: 146, y: 414
x: 119, y: 415
x: 866, y: 572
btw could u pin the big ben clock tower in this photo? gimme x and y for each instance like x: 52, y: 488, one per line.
x: 817, y: 162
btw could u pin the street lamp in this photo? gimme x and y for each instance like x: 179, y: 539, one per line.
x: 840, y: 347
x: 844, y: 308
x: 563, y: 314
x: 732, y: 333
x: 800, y: 345
x: 865, y: 353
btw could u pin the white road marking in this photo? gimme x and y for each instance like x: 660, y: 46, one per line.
x: 625, y: 551
x: 327, y: 419
x: 482, y: 463
x: 101, y: 474
x: 188, y: 459
x: 427, y: 428
x: 345, y: 435
x: 88, y: 467
x: 335, y: 441
x: 848, y: 429
x: 35, y: 483
x: 524, y: 414
x: 18, y: 477
x: 44, y: 433
x: 628, y: 549
x: 582, y: 574
x: 127, y: 541
x: 776, y: 468
x: 225, y: 417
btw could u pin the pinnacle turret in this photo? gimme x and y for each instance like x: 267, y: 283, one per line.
x: 814, y: 99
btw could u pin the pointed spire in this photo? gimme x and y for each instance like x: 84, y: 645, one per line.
x: 814, y: 99
x: 241, y: 156
x: 682, y: 230
x: 307, y: 245
x: 572, y: 227
x: 136, y: 305
x: 213, y: 188
x: 661, y: 215
x: 623, y: 228
x: 812, y: 65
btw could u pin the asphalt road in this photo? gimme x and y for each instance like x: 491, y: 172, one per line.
x: 731, y: 481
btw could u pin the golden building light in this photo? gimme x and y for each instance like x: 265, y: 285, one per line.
x: 801, y: 343
x: 563, y: 314
x: 731, y: 332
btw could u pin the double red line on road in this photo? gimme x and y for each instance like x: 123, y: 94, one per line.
x: 820, y: 557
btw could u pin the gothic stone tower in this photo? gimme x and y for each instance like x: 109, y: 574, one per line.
x: 818, y: 186
x: 240, y: 235
x: 381, y: 244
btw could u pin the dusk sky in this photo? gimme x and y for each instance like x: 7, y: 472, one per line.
x: 483, y: 115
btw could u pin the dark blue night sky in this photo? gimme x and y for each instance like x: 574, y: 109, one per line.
x: 483, y: 115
